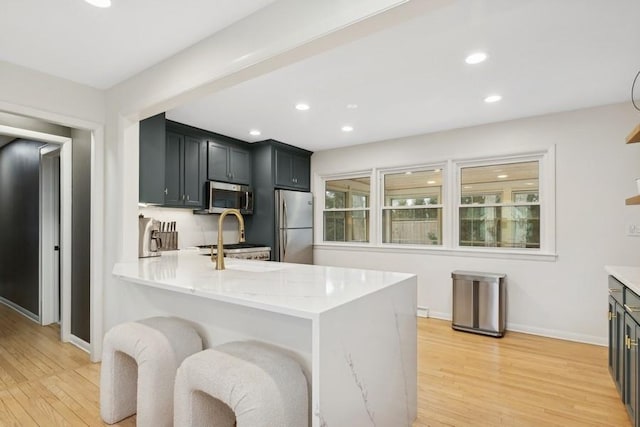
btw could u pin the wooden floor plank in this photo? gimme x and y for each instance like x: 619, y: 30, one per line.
x: 463, y: 380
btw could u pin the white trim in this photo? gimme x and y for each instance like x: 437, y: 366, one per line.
x: 26, y: 313
x: 96, y: 297
x: 80, y: 343
x: 422, y: 312
x: 437, y: 250
x: 33, y: 135
x: 97, y: 206
x: 543, y: 332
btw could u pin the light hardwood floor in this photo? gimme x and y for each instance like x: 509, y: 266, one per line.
x: 463, y: 380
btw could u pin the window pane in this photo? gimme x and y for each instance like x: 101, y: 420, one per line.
x: 419, y: 188
x: 421, y: 225
x: 347, y: 193
x: 346, y: 226
x: 500, y: 226
x: 412, y: 226
x: 333, y: 199
x: 500, y: 183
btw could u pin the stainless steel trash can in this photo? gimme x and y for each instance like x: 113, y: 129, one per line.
x: 479, y: 302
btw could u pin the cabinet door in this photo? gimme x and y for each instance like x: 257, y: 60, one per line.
x: 630, y: 382
x: 615, y: 330
x: 284, y: 168
x: 620, y: 346
x: 152, y: 160
x: 192, y: 191
x: 217, y: 161
x: 300, y: 172
x: 240, y: 165
x: 173, y: 170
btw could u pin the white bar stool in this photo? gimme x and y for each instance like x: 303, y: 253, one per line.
x: 243, y: 384
x: 139, y: 363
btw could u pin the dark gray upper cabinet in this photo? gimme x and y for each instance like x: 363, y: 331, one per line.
x: 292, y: 168
x: 152, y: 160
x: 228, y: 162
x: 185, y: 170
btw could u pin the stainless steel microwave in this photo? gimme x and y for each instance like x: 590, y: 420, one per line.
x: 229, y: 196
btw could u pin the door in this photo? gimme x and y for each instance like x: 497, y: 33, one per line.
x: 50, y: 235
x: 295, y: 209
x: 296, y: 245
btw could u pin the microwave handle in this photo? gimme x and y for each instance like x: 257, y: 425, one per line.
x: 246, y: 200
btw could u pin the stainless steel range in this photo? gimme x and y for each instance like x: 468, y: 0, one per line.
x: 240, y: 250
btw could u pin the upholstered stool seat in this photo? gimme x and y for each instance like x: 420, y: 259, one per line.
x: 139, y: 363
x: 243, y: 384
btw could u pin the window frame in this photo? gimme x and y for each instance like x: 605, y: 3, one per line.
x: 546, y: 199
x: 323, y: 208
x: 451, y: 193
x: 381, y: 173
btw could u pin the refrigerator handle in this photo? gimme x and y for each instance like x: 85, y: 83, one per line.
x: 284, y: 213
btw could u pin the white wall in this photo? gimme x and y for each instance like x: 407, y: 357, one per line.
x: 595, y: 172
x: 194, y: 230
x: 289, y: 31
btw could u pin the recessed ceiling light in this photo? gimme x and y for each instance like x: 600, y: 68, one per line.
x: 302, y: 107
x: 503, y: 176
x: 466, y: 187
x: 347, y: 128
x: 431, y: 182
x: 492, y: 98
x: 255, y: 132
x: 476, y: 58
x: 408, y: 173
x: 352, y: 106
x: 529, y: 183
x: 99, y: 3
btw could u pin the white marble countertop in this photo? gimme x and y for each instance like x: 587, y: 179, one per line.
x: 629, y: 276
x: 294, y: 289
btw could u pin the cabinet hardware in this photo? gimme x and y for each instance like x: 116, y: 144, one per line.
x: 166, y: 191
x: 611, y: 291
x: 611, y: 316
x: 632, y: 308
x: 187, y: 197
x: 183, y: 197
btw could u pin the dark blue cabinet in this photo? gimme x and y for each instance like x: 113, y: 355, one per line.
x: 228, y: 163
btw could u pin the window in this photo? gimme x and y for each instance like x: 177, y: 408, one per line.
x: 412, y: 207
x: 346, y: 210
x: 500, y: 205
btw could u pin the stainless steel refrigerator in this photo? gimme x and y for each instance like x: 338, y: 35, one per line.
x: 294, y: 227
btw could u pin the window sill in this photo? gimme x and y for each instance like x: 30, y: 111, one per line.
x: 473, y: 253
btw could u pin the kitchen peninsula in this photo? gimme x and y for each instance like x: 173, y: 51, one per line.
x: 352, y: 330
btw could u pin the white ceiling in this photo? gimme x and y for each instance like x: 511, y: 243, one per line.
x: 544, y: 56
x: 102, y: 47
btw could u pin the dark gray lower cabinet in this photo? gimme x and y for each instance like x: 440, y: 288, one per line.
x: 624, y: 357
x: 630, y: 379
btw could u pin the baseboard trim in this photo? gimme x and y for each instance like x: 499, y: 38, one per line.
x: 423, y: 312
x: 80, y: 343
x: 548, y: 333
x: 15, y: 307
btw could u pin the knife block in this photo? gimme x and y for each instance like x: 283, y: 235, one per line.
x: 168, y: 240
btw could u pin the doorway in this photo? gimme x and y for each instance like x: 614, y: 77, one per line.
x: 50, y: 235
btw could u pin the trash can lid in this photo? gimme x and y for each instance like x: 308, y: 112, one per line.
x: 476, y: 275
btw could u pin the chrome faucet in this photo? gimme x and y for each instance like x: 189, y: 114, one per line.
x: 219, y: 257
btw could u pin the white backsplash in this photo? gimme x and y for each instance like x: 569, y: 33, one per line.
x: 194, y: 230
